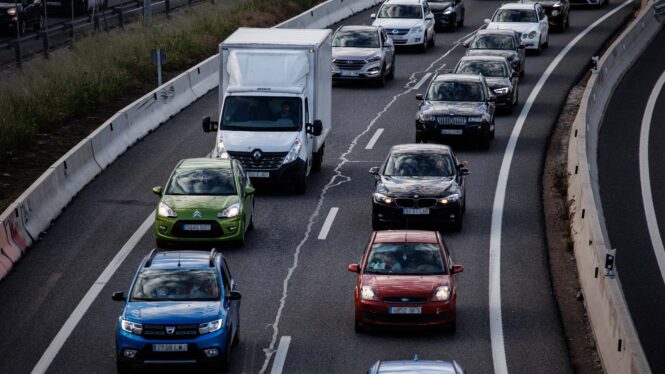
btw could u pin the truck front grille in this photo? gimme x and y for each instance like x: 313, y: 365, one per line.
x: 266, y: 161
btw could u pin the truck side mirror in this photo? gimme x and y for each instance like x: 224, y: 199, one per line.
x: 316, y: 128
x: 209, y: 125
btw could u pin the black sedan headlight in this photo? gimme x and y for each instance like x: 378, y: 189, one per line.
x: 450, y: 199
x: 380, y: 198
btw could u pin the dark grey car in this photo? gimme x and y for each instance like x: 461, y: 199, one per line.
x: 505, y: 43
x: 500, y: 77
x: 363, y: 53
x: 448, y: 14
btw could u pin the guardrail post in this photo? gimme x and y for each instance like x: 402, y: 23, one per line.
x: 45, y: 42
x: 95, y: 20
x: 167, y: 7
x: 17, y: 52
x: 70, y: 27
x: 121, y: 17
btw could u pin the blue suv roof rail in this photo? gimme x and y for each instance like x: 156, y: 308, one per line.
x: 213, y: 254
x: 151, y: 255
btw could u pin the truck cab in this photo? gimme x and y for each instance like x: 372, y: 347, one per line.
x: 275, y: 103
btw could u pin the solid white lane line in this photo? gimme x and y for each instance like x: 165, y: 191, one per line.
x: 422, y: 80
x: 496, y: 323
x: 645, y: 177
x: 372, y: 141
x: 78, y: 313
x: 325, y: 229
x: 280, y: 357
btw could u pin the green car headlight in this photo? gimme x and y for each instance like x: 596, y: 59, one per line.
x: 165, y: 211
x: 230, y: 212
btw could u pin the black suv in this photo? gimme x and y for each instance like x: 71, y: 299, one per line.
x: 448, y: 14
x: 419, y: 185
x: 500, y: 77
x: 504, y: 43
x: 456, y: 106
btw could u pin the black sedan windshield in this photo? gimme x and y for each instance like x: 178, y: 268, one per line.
x: 493, y: 42
x: 208, y: 182
x: 405, y: 259
x: 420, y: 165
x: 356, y: 39
x: 515, y: 15
x: 455, y: 91
x: 486, y: 68
x: 176, y: 285
x: 401, y: 11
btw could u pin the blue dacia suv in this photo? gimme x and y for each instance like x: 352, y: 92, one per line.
x: 182, y: 308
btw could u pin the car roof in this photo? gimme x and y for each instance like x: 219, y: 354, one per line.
x: 456, y: 78
x: 204, y: 162
x: 484, y: 58
x: 405, y: 236
x: 416, y: 367
x: 405, y: 2
x: 358, y: 28
x: 530, y: 6
x: 420, y: 148
x: 496, y: 32
x: 179, y: 259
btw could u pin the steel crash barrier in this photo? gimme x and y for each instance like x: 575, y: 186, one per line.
x: 616, y: 338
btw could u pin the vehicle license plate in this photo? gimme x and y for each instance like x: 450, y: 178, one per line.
x: 452, y: 132
x: 405, y: 310
x: 258, y: 174
x: 349, y: 73
x: 196, y: 227
x: 169, y: 347
x: 416, y: 211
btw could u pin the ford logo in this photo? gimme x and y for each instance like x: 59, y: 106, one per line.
x: 405, y: 299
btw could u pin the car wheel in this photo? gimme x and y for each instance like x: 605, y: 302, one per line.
x: 453, y: 26
x: 318, y: 160
x: 457, y: 226
x: 161, y: 243
x: 420, y: 139
x: 540, y: 48
x: 391, y: 75
x: 547, y: 41
x: 123, y: 367
x: 250, y: 227
x: 452, y: 326
x: 484, y: 142
x: 381, y: 80
x: 432, y: 41
x: 300, y: 187
x: 460, y: 23
x: 40, y: 24
x: 225, y: 365
x: 376, y: 224
x: 236, y: 338
x: 423, y: 47
x: 358, y: 327
x: 240, y: 243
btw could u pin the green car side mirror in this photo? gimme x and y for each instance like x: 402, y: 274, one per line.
x: 249, y: 190
x: 157, y: 190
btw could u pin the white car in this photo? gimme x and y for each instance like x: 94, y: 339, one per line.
x: 529, y: 20
x: 407, y: 22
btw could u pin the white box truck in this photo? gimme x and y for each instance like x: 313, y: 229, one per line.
x: 275, y: 102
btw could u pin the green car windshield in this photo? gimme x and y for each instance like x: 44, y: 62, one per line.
x: 176, y: 285
x: 207, y: 182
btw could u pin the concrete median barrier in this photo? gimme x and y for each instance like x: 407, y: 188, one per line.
x: 616, y: 337
x: 111, y: 139
x: 204, y: 76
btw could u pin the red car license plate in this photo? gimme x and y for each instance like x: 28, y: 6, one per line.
x: 405, y: 310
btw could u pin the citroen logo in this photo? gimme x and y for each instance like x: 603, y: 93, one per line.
x: 257, y: 155
x: 197, y: 214
x: 405, y: 299
x: 170, y: 330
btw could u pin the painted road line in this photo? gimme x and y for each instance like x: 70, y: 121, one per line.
x: 78, y: 313
x: 328, y: 223
x: 422, y: 81
x: 372, y: 141
x: 280, y: 357
x: 496, y: 322
x: 645, y: 177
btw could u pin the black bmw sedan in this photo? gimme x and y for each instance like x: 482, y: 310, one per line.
x: 419, y: 185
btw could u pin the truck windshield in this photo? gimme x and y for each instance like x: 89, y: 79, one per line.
x: 265, y: 113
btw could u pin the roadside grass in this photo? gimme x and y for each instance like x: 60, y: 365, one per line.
x: 101, y: 67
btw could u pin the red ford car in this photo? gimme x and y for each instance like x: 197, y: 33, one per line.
x: 405, y: 278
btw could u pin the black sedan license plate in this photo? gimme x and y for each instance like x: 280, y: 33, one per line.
x: 189, y: 227
x: 169, y: 347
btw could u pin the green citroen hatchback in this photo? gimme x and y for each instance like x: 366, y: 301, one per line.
x: 205, y: 200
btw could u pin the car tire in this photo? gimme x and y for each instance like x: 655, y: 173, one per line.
x: 358, y: 327
x: 123, y: 367
x: 453, y: 26
x: 161, y: 243
x: 376, y: 224
x: 300, y: 187
x: 391, y: 75
x: 423, y: 47
x: 460, y: 23
x: 432, y: 41
x: 40, y: 23
x: 318, y: 160
x: 240, y: 243
x: 547, y: 41
x: 250, y: 227
x: 452, y: 326
x: 540, y: 48
x: 381, y: 81
x: 420, y: 139
x: 225, y: 364
x: 459, y: 224
x: 236, y: 337
x: 484, y: 143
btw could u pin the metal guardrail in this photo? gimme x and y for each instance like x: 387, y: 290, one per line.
x: 64, y: 33
x: 659, y: 11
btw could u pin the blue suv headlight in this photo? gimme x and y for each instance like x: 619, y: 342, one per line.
x: 212, y: 326
x: 131, y: 327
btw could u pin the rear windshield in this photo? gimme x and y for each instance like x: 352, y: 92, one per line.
x: 455, y: 91
x: 209, y: 182
x: 515, y: 15
x: 176, y: 285
x: 486, y: 68
x: 356, y: 39
x: 493, y: 42
x: 401, y: 11
x: 405, y: 259
x: 420, y: 165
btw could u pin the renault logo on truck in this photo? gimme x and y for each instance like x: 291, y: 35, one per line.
x: 257, y: 155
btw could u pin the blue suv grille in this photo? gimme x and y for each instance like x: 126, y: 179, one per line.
x: 170, y: 331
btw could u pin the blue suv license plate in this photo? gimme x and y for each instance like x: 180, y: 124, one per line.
x: 169, y: 347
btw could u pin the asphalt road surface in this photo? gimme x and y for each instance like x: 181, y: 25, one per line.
x: 294, y: 284
x: 629, y: 214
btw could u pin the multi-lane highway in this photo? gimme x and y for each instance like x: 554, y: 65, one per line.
x: 294, y: 281
x: 632, y: 178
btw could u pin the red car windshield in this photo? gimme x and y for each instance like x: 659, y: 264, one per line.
x: 405, y: 259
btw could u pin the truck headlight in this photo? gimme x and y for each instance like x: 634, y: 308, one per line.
x: 441, y: 294
x: 368, y: 293
x: 166, y: 211
x: 212, y: 326
x: 131, y: 327
x: 230, y: 212
x: 501, y: 90
x: 382, y: 199
x: 293, y: 152
x: 221, y: 151
x: 449, y: 199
